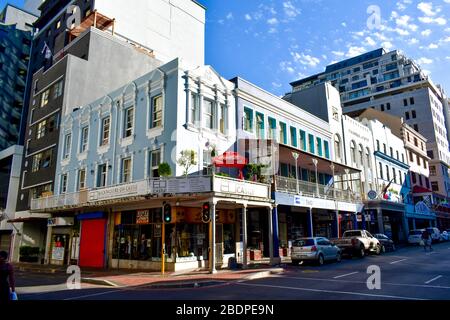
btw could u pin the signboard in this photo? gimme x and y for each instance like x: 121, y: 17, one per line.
x: 126, y: 190
x: 58, y: 253
x: 142, y: 217
x: 241, y: 188
x: 422, y: 208
x: 372, y: 194
x: 180, y: 185
x: 60, y: 222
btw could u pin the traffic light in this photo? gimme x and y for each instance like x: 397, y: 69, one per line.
x: 167, y: 213
x: 206, y: 212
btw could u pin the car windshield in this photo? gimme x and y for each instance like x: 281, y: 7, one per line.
x: 352, y: 233
x: 415, y: 232
x: 303, y: 243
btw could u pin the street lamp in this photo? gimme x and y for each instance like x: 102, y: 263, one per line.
x: 315, y: 162
x: 295, y: 155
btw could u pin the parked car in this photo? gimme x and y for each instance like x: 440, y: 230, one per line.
x: 386, y: 243
x: 435, y: 234
x: 358, y: 242
x: 444, y: 236
x: 415, y: 236
x: 315, y: 249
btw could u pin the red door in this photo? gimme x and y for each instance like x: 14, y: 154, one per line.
x: 92, y: 243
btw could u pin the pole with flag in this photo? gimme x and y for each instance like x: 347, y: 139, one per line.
x: 385, y: 189
x: 46, y: 51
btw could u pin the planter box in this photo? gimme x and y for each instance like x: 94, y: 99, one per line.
x: 255, y: 255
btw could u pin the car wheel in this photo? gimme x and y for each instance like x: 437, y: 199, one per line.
x: 320, y: 260
x: 362, y: 252
x: 378, y: 250
x: 383, y: 249
x: 339, y: 257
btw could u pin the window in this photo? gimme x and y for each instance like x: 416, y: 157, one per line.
x: 82, y: 179
x: 207, y: 161
x: 58, y: 89
x: 400, y: 177
x: 381, y: 170
x: 67, y: 144
x: 105, y: 131
x: 398, y: 157
x: 361, y: 155
x: 391, y: 152
x: 272, y: 128
x: 403, y: 158
x: 126, y: 170
x: 394, y: 175
x: 384, y: 148
x: 195, y: 108
x: 337, y: 147
x: 129, y: 122
x: 388, y: 106
x: 259, y: 125
x: 303, y: 140
x: 41, y: 129
x: 319, y: 147
x: 416, y: 127
x: 427, y: 182
x: 424, y: 163
x: 378, y: 145
x: 420, y: 180
x: 382, y: 107
x: 405, y: 102
x: 63, y: 183
x: 353, y: 152
x: 430, y: 154
x: 44, y: 98
x: 102, y: 176
x: 432, y: 170
x: 434, y: 186
x: 293, y: 137
x: 208, y: 113
x: 414, y: 178
x: 283, y: 134
x: 411, y: 100
x: 411, y: 156
x: 311, y: 143
x: 223, y: 119
x: 84, y: 139
x: 155, y: 160
x: 248, y: 119
x: 388, y: 176
x: 407, y: 115
x: 413, y: 114
x: 418, y: 159
x: 327, y: 149
x: 368, y: 159
x: 157, y: 107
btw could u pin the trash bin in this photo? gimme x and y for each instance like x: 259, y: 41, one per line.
x: 232, y: 263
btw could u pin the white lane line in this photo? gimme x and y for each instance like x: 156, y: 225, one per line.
x: 394, y: 262
x: 434, y: 279
x: 330, y: 291
x: 345, y: 275
x: 95, y: 294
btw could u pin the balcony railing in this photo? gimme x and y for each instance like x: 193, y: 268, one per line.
x: 153, y: 187
x: 313, y: 190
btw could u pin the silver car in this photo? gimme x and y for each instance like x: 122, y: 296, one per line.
x: 317, y: 249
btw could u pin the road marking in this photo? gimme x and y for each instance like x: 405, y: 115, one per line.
x: 345, y: 275
x: 394, y: 262
x: 434, y: 279
x: 331, y: 291
x: 95, y: 294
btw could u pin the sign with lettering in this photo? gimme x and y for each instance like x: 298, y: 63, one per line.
x: 142, y: 217
x: 242, y: 188
x: 180, y: 185
x: 125, y: 190
x: 58, y: 253
x: 60, y: 222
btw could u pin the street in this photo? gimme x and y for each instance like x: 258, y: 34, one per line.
x: 407, y: 274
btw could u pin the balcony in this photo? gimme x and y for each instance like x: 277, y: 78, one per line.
x: 182, y: 187
x: 312, y: 190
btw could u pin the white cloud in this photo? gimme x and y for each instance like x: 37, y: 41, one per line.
x: 354, y: 51
x: 272, y: 21
x: 413, y: 41
x: 344, y: 24
x: 426, y: 33
x: 338, y: 53
x: 287, y: 66
x: 424, y: 61
x: 402, y: 32
x: 305, y: 59
x: 248, y: 17
x: 448, y: 58
x: 427, y: 9
x: 273, y: 30
x: 290, y: 10
x: 370, y: 41
x: 387, y: 44
x: 433, y: 46
x: 428, y: 20
x: 276, y: 85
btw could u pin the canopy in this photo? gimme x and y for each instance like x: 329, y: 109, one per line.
x: 230, y: 160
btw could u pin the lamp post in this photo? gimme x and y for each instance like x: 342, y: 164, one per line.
x: 295, y: 155
x: 332, y: 186
x: 315, y: 162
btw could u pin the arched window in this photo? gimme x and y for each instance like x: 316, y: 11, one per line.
x: 337, y: 147
x: 368, y: 159
x: 361, y: 155
x: 353, y: 151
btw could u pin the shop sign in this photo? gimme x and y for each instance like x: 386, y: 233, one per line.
x: 372, y: 194
x: 60, y: 222
x: 368, y: 217
x: 142, y: 217
x: 226, y: 217
x: 126, y: 190
x: 241, y: 188
x: 180, y: 185
x: 58, y: 253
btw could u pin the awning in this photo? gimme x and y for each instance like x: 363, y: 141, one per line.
x: 230, y: 160
x: 419, y: 189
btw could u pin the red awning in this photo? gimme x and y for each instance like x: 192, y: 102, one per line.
x: 419, y: 189
x: 230, y: 160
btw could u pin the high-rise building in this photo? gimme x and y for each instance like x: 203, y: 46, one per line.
x: 15, y: 46
x: 391, y: 82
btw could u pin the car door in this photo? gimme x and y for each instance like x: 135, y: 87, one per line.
x: 325, y: 247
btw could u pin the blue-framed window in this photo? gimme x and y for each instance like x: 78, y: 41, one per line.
x: 272, y: 128
x: 311, y: 143
x: 303, y: 140
x: 293, y: 137
x: 327, y: 149
x: 283, y: 133
x: 319, y: 147
x: 260, y: 125
x: 248, y: 119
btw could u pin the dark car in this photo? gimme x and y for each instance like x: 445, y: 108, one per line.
x: 386, y: 243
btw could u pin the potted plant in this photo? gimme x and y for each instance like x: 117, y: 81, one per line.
x: 164, y: 170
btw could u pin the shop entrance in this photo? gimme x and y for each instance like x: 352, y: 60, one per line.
x: 92, y: 243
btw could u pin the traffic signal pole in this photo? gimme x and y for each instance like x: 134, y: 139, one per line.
x: 213, y: 238
x: 163, y: 253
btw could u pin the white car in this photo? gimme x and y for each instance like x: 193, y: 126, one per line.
x: 415, y: 236
x: 444, y: 236
x: 435, y: 234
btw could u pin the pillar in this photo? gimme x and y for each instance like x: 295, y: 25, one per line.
x: 309, y: 223
x: 213, y: 238
x: 276, y: 243
x: 414, y: 224
x: 48, y: 244
x: 336, y: 224
x: 271, y: 228
x: 244, y: 237
x: 355, y: 221
x: 363, y: 222
x: 380, y: 220
x: 405, y: 228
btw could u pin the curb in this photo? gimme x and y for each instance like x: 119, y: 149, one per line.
x: 263, y: 274
x: 101, y: 282
x: 35, y: 270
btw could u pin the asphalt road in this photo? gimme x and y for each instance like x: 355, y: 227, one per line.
x: 407, y: 274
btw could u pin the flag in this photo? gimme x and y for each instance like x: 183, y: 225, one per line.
x: 427, y: 201
x: 385, y: 190
x: 46, y: 51
x: 328, y: 186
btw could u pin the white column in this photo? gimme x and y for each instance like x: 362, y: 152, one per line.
x: 244, y: 237
x: 213, y: 238
x: 272, y: 261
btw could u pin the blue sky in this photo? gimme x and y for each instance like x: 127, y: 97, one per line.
x: 274, y: 42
